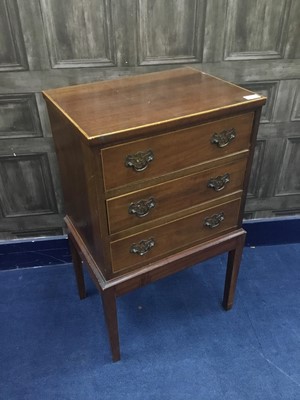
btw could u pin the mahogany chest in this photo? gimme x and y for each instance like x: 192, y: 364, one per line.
x: 154, y: 170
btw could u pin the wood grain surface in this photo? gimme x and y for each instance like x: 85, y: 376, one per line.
x: 172, y: 237
x: 175, y: 151
x: 173, y: 196
x: 103, y: 108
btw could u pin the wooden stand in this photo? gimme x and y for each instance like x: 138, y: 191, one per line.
x: 155, y: 171
x: 232, y: 243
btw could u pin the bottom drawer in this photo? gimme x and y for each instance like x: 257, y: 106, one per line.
x: 150, y: 245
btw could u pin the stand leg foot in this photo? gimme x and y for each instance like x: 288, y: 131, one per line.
x: 110, y: 312
x: 233, y: 266
x: 77, y: 264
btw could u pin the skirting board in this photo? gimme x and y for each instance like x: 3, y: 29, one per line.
x: 54, y: 250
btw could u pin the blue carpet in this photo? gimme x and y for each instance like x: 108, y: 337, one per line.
x: 176, y: 341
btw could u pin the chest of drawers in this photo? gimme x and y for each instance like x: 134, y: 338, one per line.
x: 154, y: 171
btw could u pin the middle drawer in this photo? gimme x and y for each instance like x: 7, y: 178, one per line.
x: 154, y: 202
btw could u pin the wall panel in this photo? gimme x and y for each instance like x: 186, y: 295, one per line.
x: 256, y: 29
x: 26, y: 186
x: 170, y: 32
x: 289, y: 178
x: 79, y: 33
x: 13, y: 57
x: 53, y: 43
x: 19, y: 116
x: 295, y: 115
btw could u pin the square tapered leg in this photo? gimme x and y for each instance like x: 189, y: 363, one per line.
x: 233, y: 266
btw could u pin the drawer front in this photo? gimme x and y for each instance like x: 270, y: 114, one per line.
x: 158, y: 201
x: 152, y: 157
x: 150, y: 245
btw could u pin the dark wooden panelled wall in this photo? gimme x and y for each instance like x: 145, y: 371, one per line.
x: 51, y: 43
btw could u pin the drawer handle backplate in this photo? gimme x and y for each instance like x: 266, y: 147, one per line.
x: 143, y: 247
x: 140, y: 160
x: 224, y: 138
x: 142, y: 207
x: 219, y: 182
x: 214, y: 220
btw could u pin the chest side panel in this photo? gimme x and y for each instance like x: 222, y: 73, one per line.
x: 81, y: 185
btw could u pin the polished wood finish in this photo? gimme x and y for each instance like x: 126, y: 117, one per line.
x: 122, y: 108
x: 54, y: 43
x: 194, y: 144
x: 77, y: 263
x: 172, y: 237
x: 110, y: 313
x: 174, y: 195
x: 174, y: 148
x: 233, y: 266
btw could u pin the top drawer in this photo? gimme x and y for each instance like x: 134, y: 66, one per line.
x: 148, y: 158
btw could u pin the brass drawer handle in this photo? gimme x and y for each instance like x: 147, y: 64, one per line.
x: 219, y: 182
x: 143, y: 247
x: 224, y: 138
x: 141, y: 208
x: 140, y: 160
x: 214, y: 220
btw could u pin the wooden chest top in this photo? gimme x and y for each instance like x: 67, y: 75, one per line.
x: 105, y: 112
